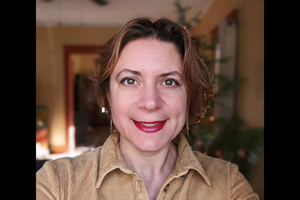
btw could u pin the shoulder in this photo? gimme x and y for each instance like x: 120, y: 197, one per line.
x: 216, y: 167
x: 78, y: 163
x: 61, y: 166
x: 211, y: 164
x: 226, y: 175
x: 83, y: 160
x: 54, y: 178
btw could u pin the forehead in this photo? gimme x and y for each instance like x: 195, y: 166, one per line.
x: 149, y: 54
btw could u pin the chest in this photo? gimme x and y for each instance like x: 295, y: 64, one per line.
x: 191, y: 186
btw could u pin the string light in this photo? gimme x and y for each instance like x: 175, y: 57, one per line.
x: 211, y: 118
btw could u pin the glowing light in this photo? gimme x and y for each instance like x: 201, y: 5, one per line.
x: 41, y: 151
x: 241, y: 153
x: 198, y: 142
x: 211, y: 118
x: 71, y: 141
x: 40, y: 123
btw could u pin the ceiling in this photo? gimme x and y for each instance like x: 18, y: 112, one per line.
x: 115, y: 13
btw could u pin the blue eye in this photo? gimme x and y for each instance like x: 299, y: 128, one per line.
x: 128, y: 81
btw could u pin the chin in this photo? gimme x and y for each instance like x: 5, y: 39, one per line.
x: 150, y: 145
x: 150, y: 149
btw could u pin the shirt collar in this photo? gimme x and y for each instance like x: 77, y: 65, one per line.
x: 187, y: 160
x: 111, y: 159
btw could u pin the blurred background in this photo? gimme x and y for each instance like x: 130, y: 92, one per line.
x: 230, y: 38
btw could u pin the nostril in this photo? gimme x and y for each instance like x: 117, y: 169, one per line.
x: 150, y: 105
x: 150, y: 102
x: 150, y: 98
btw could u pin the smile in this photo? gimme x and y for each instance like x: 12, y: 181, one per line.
x: 150, y: 127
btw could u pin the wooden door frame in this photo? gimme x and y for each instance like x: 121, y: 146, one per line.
x: 214, y: 35
x: 69, y: 86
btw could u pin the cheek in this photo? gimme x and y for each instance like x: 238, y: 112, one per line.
x: 108, y: 98
x: 177, y: 105
x: 182, y: 108
x: 122, y: 102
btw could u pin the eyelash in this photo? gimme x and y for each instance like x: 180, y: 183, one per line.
x: 173, y: 81
x: 126, y: 79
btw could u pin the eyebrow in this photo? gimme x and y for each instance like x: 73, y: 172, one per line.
x: 130, y: 71
x: 171, y: 73
x: 139, y: 73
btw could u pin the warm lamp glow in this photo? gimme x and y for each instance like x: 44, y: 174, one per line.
x: 58, y: 138
x: 71, y: 141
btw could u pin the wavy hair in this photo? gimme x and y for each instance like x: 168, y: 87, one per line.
x: 198, y: 79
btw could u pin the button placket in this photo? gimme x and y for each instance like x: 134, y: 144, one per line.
x: 166, y: 188
x: 185, y: 175
x: 138, y: 186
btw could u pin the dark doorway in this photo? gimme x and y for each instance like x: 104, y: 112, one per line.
x: 83, y: 112
x: 90, y: 120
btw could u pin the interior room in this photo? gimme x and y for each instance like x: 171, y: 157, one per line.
x: 69, y: 36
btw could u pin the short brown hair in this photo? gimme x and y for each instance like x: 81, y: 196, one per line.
x: 198, y: 79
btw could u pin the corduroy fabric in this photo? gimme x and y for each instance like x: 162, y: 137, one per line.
x: 103, y: 174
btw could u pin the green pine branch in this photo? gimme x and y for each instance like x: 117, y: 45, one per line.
x: 234, y: 142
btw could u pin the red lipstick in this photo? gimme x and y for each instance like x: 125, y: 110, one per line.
x: 150, y: 127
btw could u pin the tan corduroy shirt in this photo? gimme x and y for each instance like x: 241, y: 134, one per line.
x: 103, y: 174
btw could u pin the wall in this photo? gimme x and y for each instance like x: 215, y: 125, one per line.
x: 250, y: 63
x: 84, y: 63
x: 50, y: 88
x: 50, y: 83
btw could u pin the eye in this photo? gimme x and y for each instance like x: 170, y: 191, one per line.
x: 170, y: 82
x: 128, y: 81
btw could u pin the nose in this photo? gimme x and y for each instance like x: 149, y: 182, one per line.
x: 150, y: 98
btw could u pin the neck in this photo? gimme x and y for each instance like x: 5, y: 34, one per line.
x: 150, y: 164
x: 152, y: 167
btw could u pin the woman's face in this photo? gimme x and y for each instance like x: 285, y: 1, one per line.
x: 147, y: 94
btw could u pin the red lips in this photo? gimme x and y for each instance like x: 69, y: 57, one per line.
x: 150, y: 127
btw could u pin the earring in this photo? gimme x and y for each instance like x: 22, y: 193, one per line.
x: 110, y: 128
x: 111, y: 122
x: 187, y: 127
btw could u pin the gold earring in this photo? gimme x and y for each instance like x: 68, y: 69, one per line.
x: 110, y: 128
x: 187, y: 127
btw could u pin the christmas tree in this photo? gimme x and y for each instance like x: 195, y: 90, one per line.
x: 233, y: 142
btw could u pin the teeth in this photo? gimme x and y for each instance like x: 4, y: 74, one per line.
x: 150, y: 125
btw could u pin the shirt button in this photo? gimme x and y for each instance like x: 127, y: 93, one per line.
x: 138, y: 186
x: 166, y: 188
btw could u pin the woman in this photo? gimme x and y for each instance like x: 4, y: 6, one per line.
x: 153, y: 84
